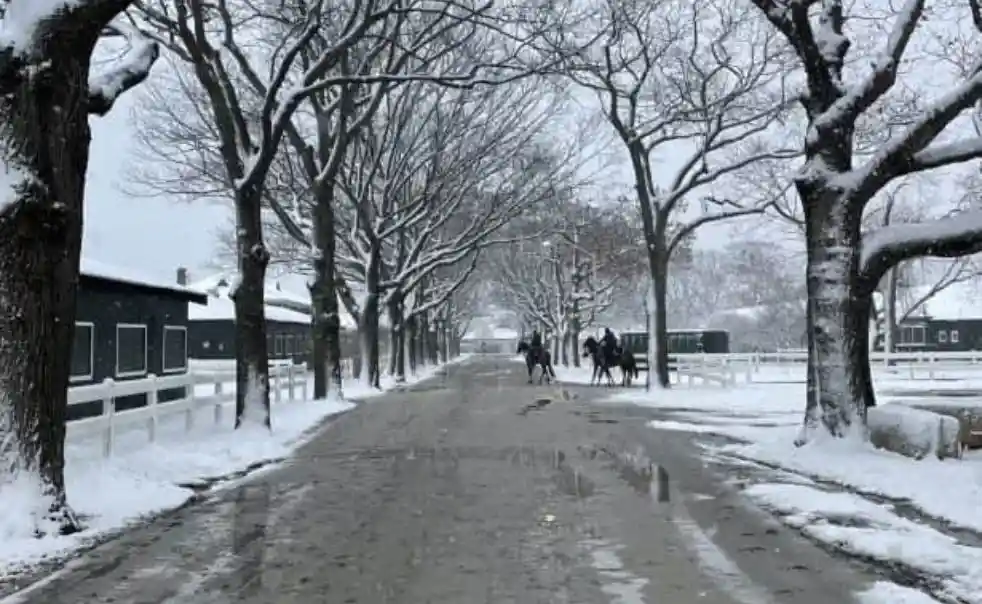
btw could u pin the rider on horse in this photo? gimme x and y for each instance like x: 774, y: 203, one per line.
x: 609, y: 343
x: 536, y: 345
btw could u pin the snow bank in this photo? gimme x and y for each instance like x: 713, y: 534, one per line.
x: 857, y: 526
x: 883, y: 592
x: 144, y: 479
x: 914, y: 432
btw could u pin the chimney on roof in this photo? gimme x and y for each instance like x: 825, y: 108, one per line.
x: 182, y: 275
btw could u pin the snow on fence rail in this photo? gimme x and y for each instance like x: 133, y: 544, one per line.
x: 283, y: 376
x: 724, y: 368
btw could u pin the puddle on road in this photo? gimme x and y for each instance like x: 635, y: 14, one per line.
x: 537, y: 404
x: 619, y: 584
x: 636, y: 469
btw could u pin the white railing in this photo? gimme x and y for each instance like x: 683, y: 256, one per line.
x: 724, y: 369
x: 283, y: 377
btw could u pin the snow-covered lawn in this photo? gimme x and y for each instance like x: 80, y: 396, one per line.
x: 922, y: 515
x: 144, y: 479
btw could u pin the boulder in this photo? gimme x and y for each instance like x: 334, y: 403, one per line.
x: 968, y: 416
x: 914, y: 432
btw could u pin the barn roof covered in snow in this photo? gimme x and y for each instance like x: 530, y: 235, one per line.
x: 96, y: 269
x: 959, y: 301
x: 276, y: 296
x: 221, y: 308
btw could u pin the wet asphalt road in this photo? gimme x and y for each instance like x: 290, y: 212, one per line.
x: 469, y: 489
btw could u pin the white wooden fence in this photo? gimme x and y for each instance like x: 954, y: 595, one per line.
x: 727, y: 369
x: 287, y: 381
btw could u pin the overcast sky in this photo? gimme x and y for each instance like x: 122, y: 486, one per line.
x: 157, y: 235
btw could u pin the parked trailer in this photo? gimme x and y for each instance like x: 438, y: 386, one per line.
x: 680, y: 341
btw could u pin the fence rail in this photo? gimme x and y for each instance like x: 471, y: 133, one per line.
x: 727, y: 368
x: 293, y: 379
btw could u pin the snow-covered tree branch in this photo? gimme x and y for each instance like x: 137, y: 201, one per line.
x: 678, y: 78
x: 844, y: 264
x: 48, y: 92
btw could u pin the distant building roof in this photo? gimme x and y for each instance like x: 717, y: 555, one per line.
x: 220, y: 308
x: 484, y: 328
x: 95, y: 269
x: 276, y: 297
x: 956, y: 302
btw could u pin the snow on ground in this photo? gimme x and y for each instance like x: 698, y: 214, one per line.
x: 922, y: 515
x: 143, y: 479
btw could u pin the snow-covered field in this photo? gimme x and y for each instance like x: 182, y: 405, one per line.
x: 144, y: 479
x: 921, y: 516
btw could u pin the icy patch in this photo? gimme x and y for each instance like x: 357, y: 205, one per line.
x: 884, y: 592
x: 620, y: 584
x: 864, y: 528
x: 143, y: 479
x: 717, y: 565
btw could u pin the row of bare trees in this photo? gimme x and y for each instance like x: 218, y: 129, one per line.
x: 749, y: 107
x: 379, y: 144
x: 566, y: 275
x: 384, y: 146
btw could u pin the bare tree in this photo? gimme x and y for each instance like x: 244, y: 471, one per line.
x: 433, y: 178
x: 48, y: 94
x: 565, y: 281
x: 844, y: 265
x: 251, y: 112
x: 674, y: 76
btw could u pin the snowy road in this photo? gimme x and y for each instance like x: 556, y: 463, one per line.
x: 468, y: 488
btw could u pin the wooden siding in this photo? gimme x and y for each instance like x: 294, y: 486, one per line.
x: 107, y: 304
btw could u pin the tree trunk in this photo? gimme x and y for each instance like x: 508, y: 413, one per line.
x: 839, y: 383
x: 574, y: 342
x: 371, y: 371
x: 890, y: 312
x: 397, y: 354
x: 424, y: 327
x: 412, y: 333
x: 444, y: 341
x: 658, y: 324
x: 251, y: 355
x: 654, y: 221
x: 324, y: 296
x: 45, y: 134
x: 565, y: 348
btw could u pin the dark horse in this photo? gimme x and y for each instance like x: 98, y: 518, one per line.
x: 602, y: 362
x: 544, y: 361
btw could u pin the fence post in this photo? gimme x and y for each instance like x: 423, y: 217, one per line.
x: 152, y: 401
x: 277, y: 386
x: 190, y: 409
x: 305, y: 377
x: 290, y: 373
x: 219, y: 403
x: 108, y: 411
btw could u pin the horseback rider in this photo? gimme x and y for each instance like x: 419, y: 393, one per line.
x: 536, y: 344
x: 609, y: 343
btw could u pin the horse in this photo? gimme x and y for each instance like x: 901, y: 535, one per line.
x: 544, y: 361
x: 602, y: 362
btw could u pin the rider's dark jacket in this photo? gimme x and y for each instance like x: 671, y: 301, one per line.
x: 609, y: 341
x: 536, y: 340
